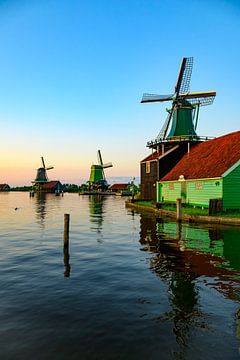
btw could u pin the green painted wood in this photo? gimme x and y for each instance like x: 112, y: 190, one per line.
x: 170, y: 191
x: 231, y: 190
x: 182, y: 121
x: 199, y: 192
x: 200, y: 239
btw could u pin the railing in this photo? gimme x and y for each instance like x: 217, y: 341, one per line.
x: 185, y: 138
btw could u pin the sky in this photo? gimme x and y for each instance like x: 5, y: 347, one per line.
x: 72, y: 74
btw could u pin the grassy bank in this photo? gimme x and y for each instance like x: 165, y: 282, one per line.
x: 189, y: 210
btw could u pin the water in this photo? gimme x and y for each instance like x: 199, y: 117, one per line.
x: 131, y: 287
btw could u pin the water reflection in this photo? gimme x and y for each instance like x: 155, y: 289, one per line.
x: 180, y: 256
x: 40, y: 200
x: 66, y: 258
x: 96, y: 211
x: 168, y: 263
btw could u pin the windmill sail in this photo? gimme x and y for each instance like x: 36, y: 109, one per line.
x: 41, y: 176
x: 97, y: 178
x: 156, y: 98
x: 184, y: 104
x: 99, y: 157
x: 164, y: 129
x: 200, y: 98
x: 43, y: 162
x: 184, y: 76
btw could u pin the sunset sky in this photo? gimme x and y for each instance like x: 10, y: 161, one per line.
x: 72, y: 74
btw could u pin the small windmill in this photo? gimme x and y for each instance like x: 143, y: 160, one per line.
x: 41, y: 177
x: 97, y: 178
x: 183, y: 115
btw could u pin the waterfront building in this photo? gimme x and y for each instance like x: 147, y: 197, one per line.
x: 178, y: 133
x: 4, y: 187
x: 210, y: 170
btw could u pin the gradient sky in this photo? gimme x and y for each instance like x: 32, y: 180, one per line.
x: 72, y: 74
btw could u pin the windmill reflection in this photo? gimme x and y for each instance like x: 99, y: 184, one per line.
x: 96, y: 211
x: 40, y: 199
x: 169, y: 265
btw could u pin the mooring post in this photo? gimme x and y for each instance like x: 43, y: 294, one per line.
x: 66, y: 229
x: 179, y: 209
x: 66, y: 245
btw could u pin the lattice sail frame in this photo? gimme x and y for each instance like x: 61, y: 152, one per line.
x: 182, y: 88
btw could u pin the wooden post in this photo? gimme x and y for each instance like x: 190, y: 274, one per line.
x: 66, y: 245
x: 179, y: 209
x: 66, y: 229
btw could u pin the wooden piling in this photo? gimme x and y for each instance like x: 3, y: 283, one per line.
x: 66, y: 245
x: 66, y: 229
x: 179, y: 209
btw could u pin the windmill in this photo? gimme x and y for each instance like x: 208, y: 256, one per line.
x: 97, y: 178
x: 183, y: 115
x: 41, y: 177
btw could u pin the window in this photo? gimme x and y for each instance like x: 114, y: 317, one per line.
x: 148, y: 167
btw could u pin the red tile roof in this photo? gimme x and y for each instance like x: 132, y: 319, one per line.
x: 208, y: 159
x: 119, y: 186
x: 50, y: 184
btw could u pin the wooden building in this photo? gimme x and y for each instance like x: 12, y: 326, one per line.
x: 210, y: 170
x: 178, y: 133
x: 51, y: 187
x: 118, y: 188
x: 4, y: 187
x: 158, y: 164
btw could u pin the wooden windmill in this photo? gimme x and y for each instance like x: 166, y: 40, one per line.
x: 97, y: 180
x: 181, y: 122
x: 41, y: 177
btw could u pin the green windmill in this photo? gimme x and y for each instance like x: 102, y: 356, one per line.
x: 41, y: 177
x: 97, y: 180
x: 183, y: 115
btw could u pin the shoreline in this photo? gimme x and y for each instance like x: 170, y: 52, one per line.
x: 185, y: 217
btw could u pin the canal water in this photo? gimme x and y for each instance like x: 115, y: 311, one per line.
x: 131, y: 286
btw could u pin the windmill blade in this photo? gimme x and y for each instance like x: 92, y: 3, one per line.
x: 43, y: 162
x: 147, y: 98
x: 184, y: 76
x: 49, y: 168
x: 107, y: 165
x: 200, y: 98
x: 100, y: 162
x: 163, y: 132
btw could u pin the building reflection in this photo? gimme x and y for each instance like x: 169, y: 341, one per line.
x: 180, y: 254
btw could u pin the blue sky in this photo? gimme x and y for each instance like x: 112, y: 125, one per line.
x: 73, y: 74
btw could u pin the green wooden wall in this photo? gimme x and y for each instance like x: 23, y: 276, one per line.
x: 199, y: 192
x: 231, y: 189
x: 170, y: 190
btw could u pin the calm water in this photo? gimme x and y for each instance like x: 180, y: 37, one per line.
x: 131, y: 287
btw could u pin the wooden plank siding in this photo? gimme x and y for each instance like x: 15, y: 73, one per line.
x: 231, y: 189
x: 199, y: 192
x: 169, y: 191
x: 149, y: 175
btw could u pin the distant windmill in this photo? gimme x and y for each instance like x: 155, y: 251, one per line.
x: 183, y: 115
x: 97, y: 178
x: 41, y: 176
